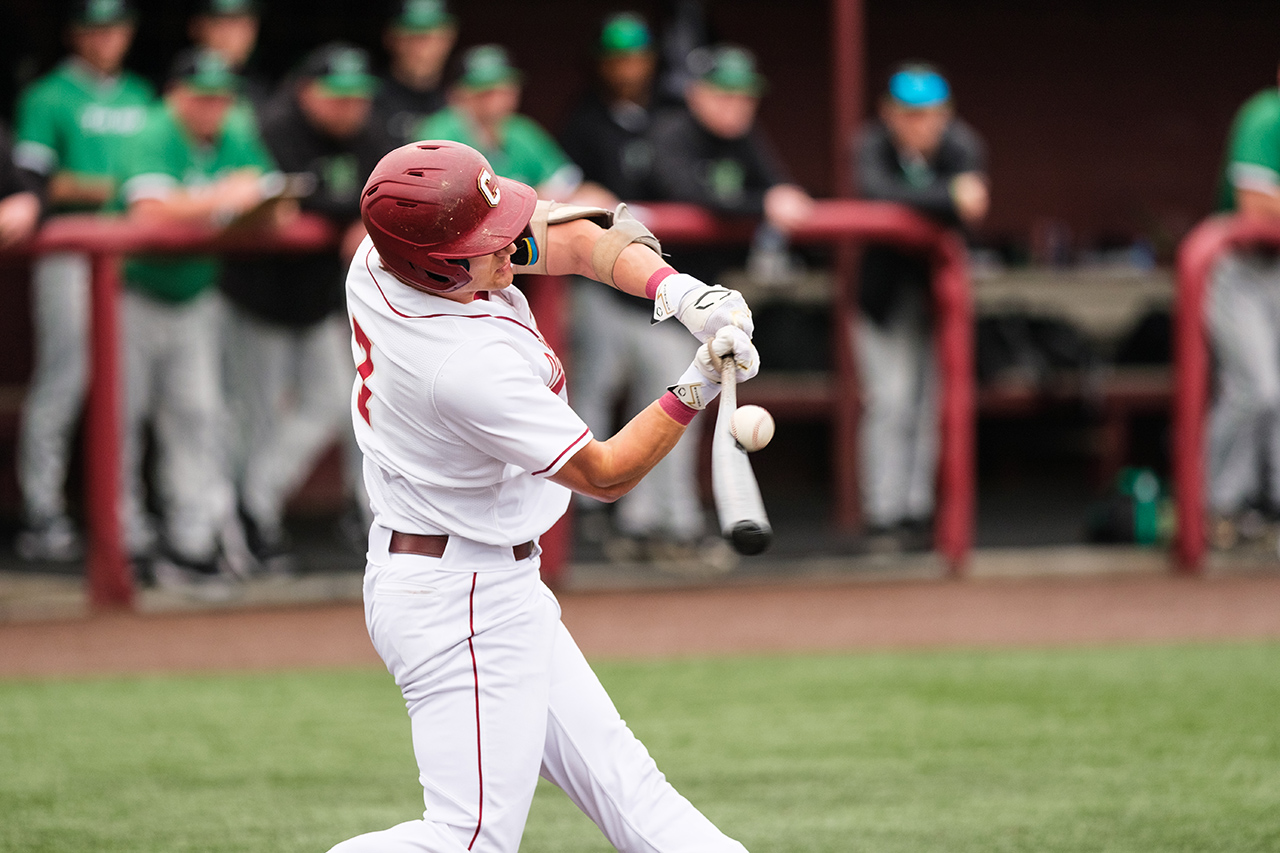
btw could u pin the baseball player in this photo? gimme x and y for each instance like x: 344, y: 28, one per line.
x: 471, y: 451
x: 418, y: 38
x: 73, y: 125
x: 196, y: 160
x: 1242, y: 314
x: 288, y: 370
x: 918, y: 153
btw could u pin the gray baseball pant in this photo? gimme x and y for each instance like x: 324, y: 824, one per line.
x: 172, y: 375
x: 60, y: 312
x: 1243, y: 317
x: 898, y: 438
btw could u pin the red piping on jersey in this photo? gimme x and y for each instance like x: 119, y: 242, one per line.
x: 562, y: 453
x: 475, y: 672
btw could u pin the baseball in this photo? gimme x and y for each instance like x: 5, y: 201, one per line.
x: 752, y: 426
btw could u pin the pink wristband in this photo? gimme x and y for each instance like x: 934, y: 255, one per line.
x: 651, y: 286
x: 680, y: 413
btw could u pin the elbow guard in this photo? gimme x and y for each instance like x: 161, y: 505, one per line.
x: 621, y: 229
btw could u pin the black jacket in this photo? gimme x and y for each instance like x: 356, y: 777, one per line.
x: 611, y: 147
x: 888, y: 273
x: 727, y: 176
x: 299, y: 290
x: 401, y: 109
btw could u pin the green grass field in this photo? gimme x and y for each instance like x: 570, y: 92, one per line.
x: 1137, y: 749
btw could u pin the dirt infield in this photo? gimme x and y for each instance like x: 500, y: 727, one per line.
x: 816, y: 617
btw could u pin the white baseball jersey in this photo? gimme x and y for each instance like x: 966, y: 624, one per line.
x: 460, y: 409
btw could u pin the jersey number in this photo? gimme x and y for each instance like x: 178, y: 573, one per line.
x: 365, y: 369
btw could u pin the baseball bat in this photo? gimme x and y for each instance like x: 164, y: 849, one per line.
x: 738, y: 504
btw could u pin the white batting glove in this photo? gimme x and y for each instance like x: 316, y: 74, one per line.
x: 704, y: 309
x: 700, y: 383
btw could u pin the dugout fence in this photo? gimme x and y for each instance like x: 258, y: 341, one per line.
x: 837, y: 223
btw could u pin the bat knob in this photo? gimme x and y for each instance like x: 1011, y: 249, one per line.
x: 750, y: 538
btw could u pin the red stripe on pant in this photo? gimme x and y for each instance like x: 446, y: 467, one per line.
x: 475, y: 671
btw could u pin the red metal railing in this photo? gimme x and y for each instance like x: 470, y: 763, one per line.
x: 1196, y: 257
x: 107, y: 240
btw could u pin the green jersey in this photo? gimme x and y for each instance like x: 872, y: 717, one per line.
x: 75, y: 120
x: 165, y: 159
x: 1253, y: 149
x: 527, y: 153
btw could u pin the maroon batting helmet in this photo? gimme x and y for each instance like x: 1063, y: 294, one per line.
x: 428, y: 206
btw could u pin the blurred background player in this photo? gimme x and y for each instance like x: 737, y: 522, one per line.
x: 418, y: 39
x: 711, y: 153
x: 195, y: 161
x: 918, y: 154
x: 482, y: 114
x: 20, y: 201
x: 73, y: 126
x: 230, y: 28
x: 289, y: 370
x: 1243, y: 315
x: 616, y: 348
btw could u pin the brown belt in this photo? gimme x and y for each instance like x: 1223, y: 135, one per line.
x: 433, y: 545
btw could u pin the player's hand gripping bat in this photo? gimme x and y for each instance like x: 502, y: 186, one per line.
x: 738, y: 503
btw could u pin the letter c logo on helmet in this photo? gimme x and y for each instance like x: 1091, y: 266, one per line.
x: 425, y: 219
x: 489, y: 188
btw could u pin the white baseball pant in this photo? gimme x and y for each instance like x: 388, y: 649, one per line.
x: 616, y: 347
x: 498, y: 693
x: 898, y: 437
x: 60, y: 311
x: 291, y: 388
x: 172, y: 374
x: 1243, y: 318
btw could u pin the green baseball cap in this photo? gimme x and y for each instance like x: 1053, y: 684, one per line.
x: 421, y: 16
x: 487, y: 66
x: 102, y: 13
x: 341, y: 69
x: 625, y: 32
x: 228, y: 8
x: 204, y: 71
x: 729, y: 67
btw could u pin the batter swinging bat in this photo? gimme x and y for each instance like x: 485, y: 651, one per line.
x: 742, y: 517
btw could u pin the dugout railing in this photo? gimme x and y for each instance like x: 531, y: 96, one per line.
x: 841, y: 224
x: 837, y: 223
x: 1197, y: 254
x: 107, y: 240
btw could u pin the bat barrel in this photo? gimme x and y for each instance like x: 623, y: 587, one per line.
x: 743, y: 520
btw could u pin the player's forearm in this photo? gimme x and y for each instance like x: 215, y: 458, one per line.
x: 1258, y: 204
x: 607, y: 470
x: 67, y: 189
x: 176, y: 207
x: 570, y: 247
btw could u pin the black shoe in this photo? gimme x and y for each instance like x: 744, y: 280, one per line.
x: 198, y: 579
x: 271, y: 548
x: 881, y: 539
x: 915, y: 535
